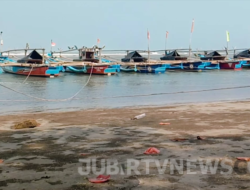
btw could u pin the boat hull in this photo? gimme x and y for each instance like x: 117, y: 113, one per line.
x: 234, y: 65
x: 43, y: 71
x: 97, y: 70
x: 156, y: 68
x: 128, y: 69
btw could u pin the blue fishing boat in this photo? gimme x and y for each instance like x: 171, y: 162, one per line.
x: 35, y: 66
x: 193, y: 66
x: 244, y: 54
x: 199, y: 66
x: 151, y: 68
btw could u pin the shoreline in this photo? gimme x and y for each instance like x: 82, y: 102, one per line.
x: 48, y: 156
x: 64, y: 110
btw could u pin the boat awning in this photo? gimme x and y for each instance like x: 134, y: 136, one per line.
x: 33, y: 57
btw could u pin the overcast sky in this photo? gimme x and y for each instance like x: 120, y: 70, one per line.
x: 123, y: 24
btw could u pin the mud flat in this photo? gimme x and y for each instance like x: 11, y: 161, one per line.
x: 47, y: 157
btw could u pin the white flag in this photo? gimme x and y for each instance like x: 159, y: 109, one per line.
x: 1, y: 42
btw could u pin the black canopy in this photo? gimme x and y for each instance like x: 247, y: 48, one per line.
x: 245, y: 53
x: 33, y: 57
x: 135, y: 56
x: 174, y: 55
x: 213, y: 56
x: 132, y: 54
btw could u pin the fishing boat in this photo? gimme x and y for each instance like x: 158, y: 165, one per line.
x: 199, y: 66
x: 174, y: 55
x: 139, y: 64
x: 212, y: 56
x: 32, y: 65
x: 232, y: 64
x: 244, y: 54
x: 93, y: 64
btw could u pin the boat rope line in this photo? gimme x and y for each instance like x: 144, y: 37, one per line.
x: 168, y: 93
x: 28, y: 74
x: 128, y: 96
x: 52, y: 100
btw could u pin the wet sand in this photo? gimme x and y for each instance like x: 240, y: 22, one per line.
x: 47, y: 157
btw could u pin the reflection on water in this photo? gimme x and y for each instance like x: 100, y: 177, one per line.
x: 100, y: 90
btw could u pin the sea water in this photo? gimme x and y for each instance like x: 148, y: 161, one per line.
x: 120, y: 90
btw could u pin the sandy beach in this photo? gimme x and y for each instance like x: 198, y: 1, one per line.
x: 47, y: 157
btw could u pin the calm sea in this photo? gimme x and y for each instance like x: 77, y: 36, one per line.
x: 123, y: 89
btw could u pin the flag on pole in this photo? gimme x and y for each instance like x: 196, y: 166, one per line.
x: 148, y: 35
x: 98, y: 40
x: 192, y: 29
x: 1, y: 42
x: 167, y: 35
x: 228, y: 39
x: 53, y: 43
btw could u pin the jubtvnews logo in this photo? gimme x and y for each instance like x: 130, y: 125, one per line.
x: 165, y: 166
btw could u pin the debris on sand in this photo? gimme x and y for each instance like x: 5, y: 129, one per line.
x: 200, y: 138
x: 244, y: 158
x: 139, y: 116
x: 100, y: 179
x: 178, y: 139
x: 84, y: 154
x: 45, y: 177
x: 26, y: 124
x: 152, y: 150
x: 164, y: 123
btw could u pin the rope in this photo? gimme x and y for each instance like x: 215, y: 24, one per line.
x: 168, y: 93
x: 142, y: 95
x: 28, y: 74
x: 51, y: 100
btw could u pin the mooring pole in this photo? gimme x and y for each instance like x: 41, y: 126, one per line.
x: 1, y: 42
x: 43, y: 56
